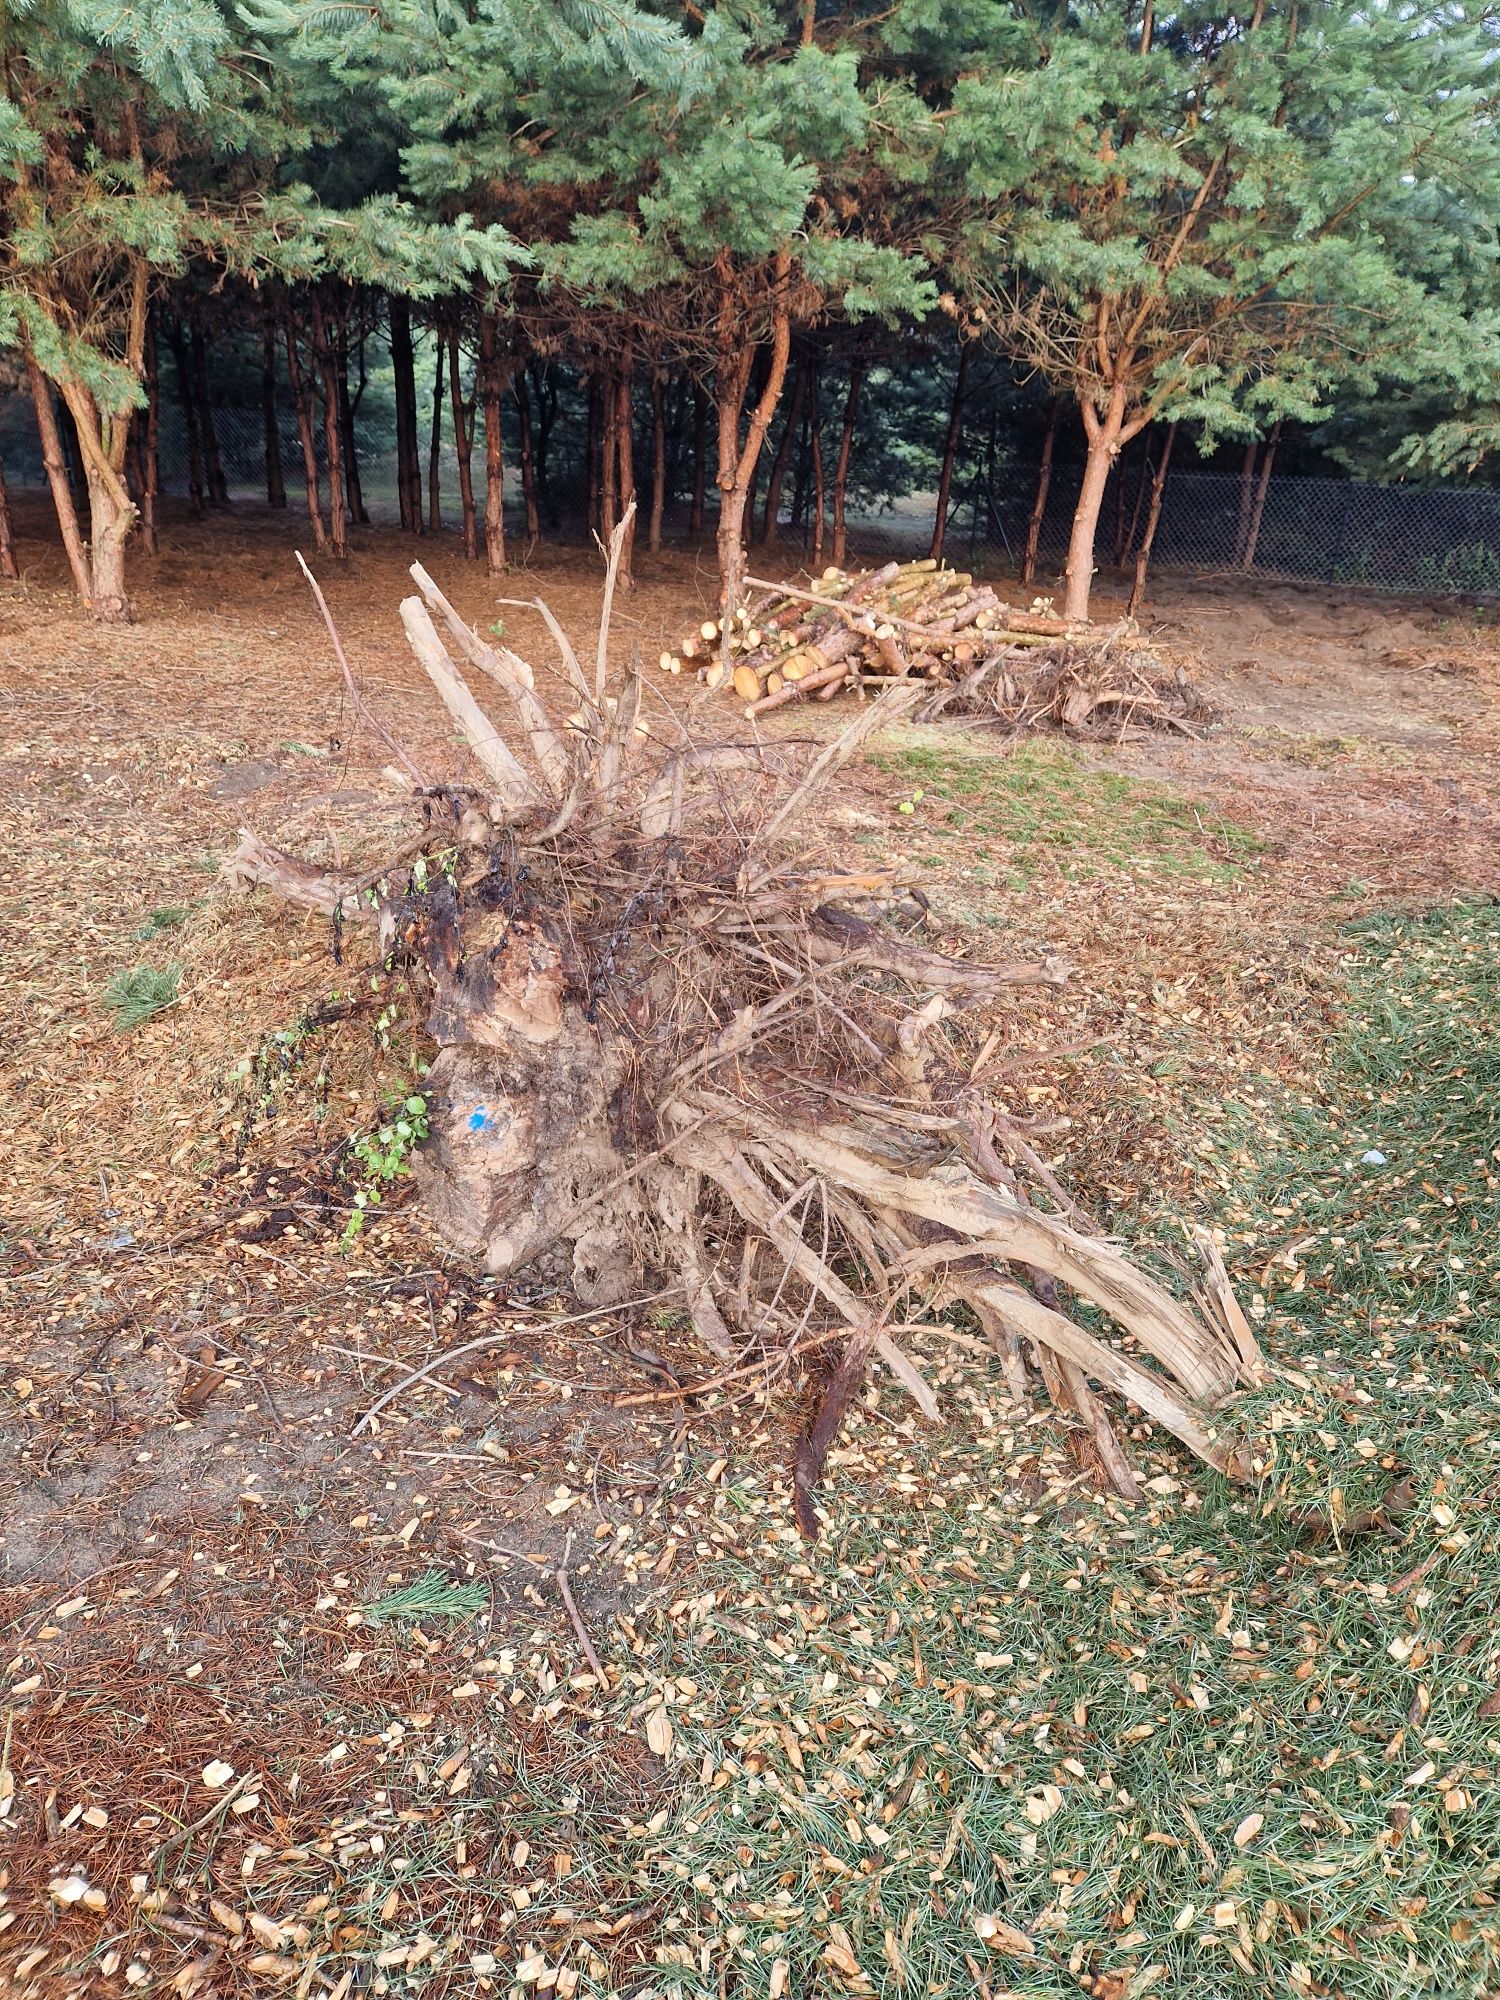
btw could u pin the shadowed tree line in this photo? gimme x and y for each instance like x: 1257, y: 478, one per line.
x: 750, y: 259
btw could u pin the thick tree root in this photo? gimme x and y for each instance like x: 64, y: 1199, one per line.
x: 679, y: 1044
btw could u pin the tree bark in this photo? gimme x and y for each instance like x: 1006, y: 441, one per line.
x: 527, y: 456
x: 1107, y: 432
x: 435, y: 443
x: 150, y: 452
x: 112, y: 515
x: 841, y: 469
x: 700, y: 461
x: 302, y: 402
x: 188, y: 401
x: 658, y: 462
x: 333, y: 444
x: 213, y: 464
x: 57, y: 479
x: 820, y: 498
x: 1252, y: 537
x: 348, y: 410
x: 950, y: 452
x: 492, y: 388
x: 1247, y: 499
x: 545, y: 384
x: 609, y: 482
x: 737, y: 463
x: 1143, y: 553
x: 275, y: 484
x: 8, y: 564
x: 1043, y: 486
x: 769, y: 521
x: 408, y: 463
x: 1143, y: 480
x: 625, y: 448
x: 463, y: 440
x: 594, y: 456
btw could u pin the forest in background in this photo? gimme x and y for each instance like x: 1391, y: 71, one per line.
x: 747, y: 264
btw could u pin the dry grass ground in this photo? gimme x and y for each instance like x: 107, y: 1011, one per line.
x: 192, y: 1536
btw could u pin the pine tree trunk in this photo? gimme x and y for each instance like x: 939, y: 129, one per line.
x: 769, y: 520
x: 700, y: 461
x: 658, y: 462
x: 820, y: 498
x: 625, y: 448
x: 1106, y: 433
x: 189, y: 414
x: 1252, y: 535
x: 333, y: 446
x: 1043, y: 486
x: 1143, y: 480
x: 841, y: 469
x: 545, y: 384
x: 609, y: 485
x: 527, y: 456
x: 403, y: 368
x: 213, y: 464
x: 270, y: 421
x: 57, y: 479
x: 72, y: 455
x: 111, y: 518
x: 950, y: 453
x: 737, y: 463
x: 435, y: 443
x: 492, y: 389
x: 1247, y: 499
x: 150, y: 446
x: 302, y: 402
x: 463, y: 439
x: 348, y: 409
x: 1143, y: 553
x: 594, y: 457
x: 9, y: 567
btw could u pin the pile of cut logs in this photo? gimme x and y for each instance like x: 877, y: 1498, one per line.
x: 918, y: 620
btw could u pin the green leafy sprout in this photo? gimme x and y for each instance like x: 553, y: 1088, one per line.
x: 384, y: 1155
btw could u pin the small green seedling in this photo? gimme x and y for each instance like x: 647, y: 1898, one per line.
x: 385, y: 1155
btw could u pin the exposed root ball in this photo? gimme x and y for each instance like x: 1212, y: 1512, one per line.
x: 679, y: 1048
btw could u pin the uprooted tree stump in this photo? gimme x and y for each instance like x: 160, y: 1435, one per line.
x: 680, y: 1052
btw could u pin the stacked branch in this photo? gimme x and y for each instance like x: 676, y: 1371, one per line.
x: 681, y: 1052
x: 917, y: 621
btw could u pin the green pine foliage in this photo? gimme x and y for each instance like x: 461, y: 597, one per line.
x: 1225, y: 219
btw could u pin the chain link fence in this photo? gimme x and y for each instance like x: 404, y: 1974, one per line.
x: 1432, y: 541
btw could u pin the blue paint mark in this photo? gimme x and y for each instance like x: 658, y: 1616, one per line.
x: 479, y: 1119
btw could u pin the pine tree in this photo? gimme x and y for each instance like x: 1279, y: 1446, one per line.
x: 687, y: 183
x: 1207, y: 216
x: 104, y: 107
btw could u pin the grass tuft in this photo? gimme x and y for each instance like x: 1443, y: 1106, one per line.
x: 1039, y: 804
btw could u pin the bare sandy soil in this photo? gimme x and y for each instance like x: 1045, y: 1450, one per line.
x: 185, y: 1352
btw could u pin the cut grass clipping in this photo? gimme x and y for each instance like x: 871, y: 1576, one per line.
x: 1007, y: 1734
x: 136, y: 995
